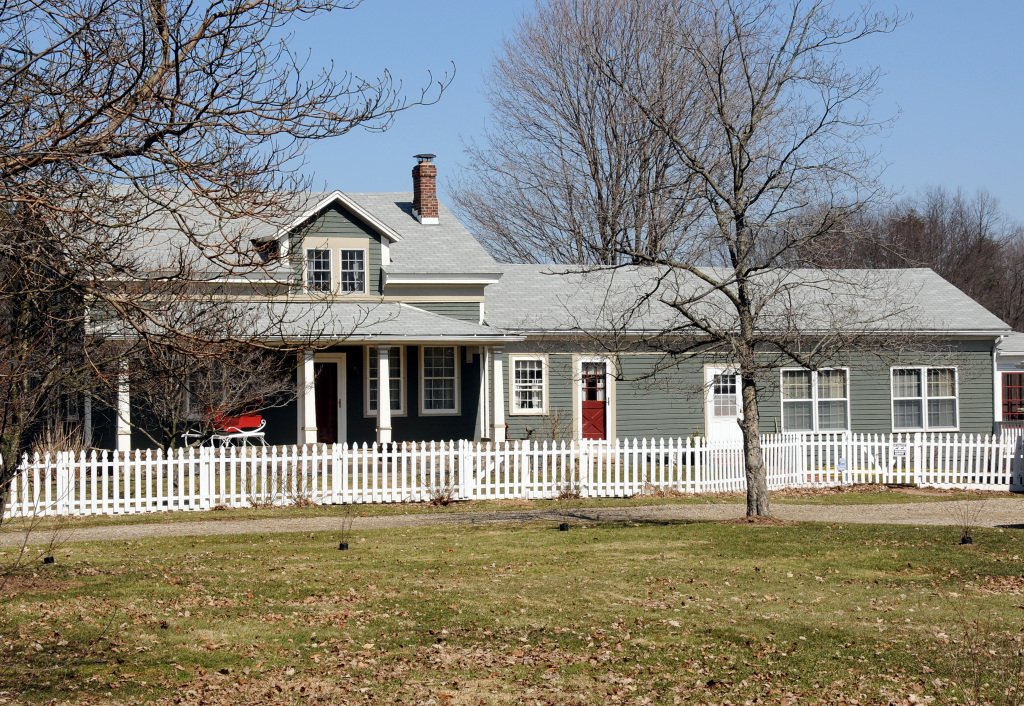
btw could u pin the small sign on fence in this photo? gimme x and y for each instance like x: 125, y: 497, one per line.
x: 899, y: 450
x: 842, y: 464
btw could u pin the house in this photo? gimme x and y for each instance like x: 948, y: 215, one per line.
x: 391, y: 286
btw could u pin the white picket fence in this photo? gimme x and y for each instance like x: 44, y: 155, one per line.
x: 110, y: 482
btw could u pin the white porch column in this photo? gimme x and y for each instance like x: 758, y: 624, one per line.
x: 485, y: 396
x: 384, y: 394
x: 124, y: 412
x: 306, y: 398
x: 498, y: 434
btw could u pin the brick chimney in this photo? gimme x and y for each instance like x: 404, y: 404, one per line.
x: 424, y: 190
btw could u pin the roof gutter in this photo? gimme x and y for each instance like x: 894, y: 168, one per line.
x: 466, y: 278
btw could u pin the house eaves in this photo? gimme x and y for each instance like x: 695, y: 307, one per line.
x: 338, y: 197
x: 456, y: 278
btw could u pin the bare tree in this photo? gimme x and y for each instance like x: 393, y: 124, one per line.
x: 571, y: 170
x: 772, y: 129
x: 968, y: 240
x: 144, y: 146
x: 181, y: 393
x: 750, y: 105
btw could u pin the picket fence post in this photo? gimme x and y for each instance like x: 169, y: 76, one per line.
x: 205, y: 461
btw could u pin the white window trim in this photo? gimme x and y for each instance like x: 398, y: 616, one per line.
x: 924, y: 397
x: 368, y: 362
x: 305, y: 270
x: 366, y: 272
x: 515, y: 411
x: 814, y: 401
x: 458, y: 397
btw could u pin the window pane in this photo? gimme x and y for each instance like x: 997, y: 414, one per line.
x: 942, y: 413
x: 907, y: 414
x: 832, y: 384
x: 797, y: 416
x: 529, y: 384
x: 906, y: 382
x: 439, y: 378
x: 723, y: 390
x: 439, y: 394
x: 941, y: 382
x: 395, y: 373
x: 352, y: 271
x: 796, y: 384
x: 593, y: 381
x: 318, y: 270
x: 832, y: 415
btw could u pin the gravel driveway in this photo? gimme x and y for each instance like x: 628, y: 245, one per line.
x: 993, y: 512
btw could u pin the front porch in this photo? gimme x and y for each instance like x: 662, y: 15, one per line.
x: 436, y: 391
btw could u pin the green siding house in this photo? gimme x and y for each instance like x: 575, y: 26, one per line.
x: 391, y: 285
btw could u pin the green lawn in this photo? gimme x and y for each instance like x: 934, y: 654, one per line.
x: 651, y: 613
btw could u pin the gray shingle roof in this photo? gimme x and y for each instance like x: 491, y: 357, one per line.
x: 444, y: 247
x: 385, y: 322
x: 546, y: 298
x: 1013, y: 344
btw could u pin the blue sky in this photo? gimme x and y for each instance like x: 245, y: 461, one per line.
x: 954, y: 72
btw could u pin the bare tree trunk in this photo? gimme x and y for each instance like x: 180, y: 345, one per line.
x: 753, y: 459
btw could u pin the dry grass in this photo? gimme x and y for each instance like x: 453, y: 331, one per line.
x: 648, y: 613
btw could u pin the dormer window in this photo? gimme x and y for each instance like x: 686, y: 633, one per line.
x: 318, y: 270
x: 353, y: 271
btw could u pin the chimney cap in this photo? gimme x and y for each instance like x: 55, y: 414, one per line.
x: 424, y: 157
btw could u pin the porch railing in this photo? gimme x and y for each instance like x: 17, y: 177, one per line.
x: 111, y: 482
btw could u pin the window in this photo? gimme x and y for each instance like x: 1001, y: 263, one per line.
x: 723, y: 390
x: 924, y: 399
x: 439, y: 380
x: 1013, y: 397
x: 318, y: 270
x: 529, y: 385
x: 396, y: 363
x: 353, y: 271
x: 815, y: 401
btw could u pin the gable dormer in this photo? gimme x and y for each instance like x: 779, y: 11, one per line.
x: 337, y: 248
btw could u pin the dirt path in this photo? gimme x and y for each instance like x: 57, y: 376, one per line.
x: 994, y: 512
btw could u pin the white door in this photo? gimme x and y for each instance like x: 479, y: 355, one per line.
x: 724, y: 405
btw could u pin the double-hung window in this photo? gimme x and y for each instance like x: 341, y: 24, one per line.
x: 353, y: 271
x: 529, y: 385
x: 318, y: 270
x: 815, y: 400
x: 439, y: 388
x: 396, y: 364
x: 924, y: 399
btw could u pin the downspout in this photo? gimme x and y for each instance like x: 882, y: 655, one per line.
x: 997, y: 387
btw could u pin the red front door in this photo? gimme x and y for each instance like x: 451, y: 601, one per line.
x: 326, y: 390
x: 594, y: 404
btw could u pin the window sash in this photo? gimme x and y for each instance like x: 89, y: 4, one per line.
x: 724, y: 389
x: 318, y: 270
x: 440, y: 388
x: 528, y: 385
x: 815, y: 400
x: 396, y: 379
x: 925, y: 399
x: 352, y: 271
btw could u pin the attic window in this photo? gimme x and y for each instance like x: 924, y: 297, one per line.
x: 267, y: 250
